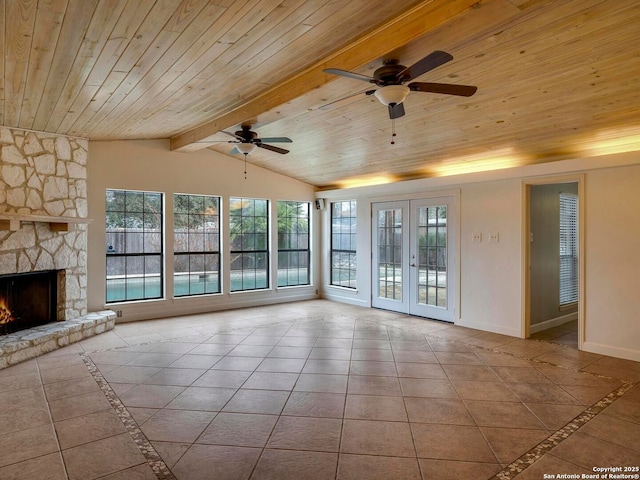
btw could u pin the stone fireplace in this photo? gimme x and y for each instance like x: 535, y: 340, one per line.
x: 43, y: 210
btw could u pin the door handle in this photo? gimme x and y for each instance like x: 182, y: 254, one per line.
x: 412, y: 264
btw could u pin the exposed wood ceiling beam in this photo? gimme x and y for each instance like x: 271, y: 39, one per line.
x: 389, y: 36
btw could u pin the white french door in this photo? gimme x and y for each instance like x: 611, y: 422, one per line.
x: 413, y: 257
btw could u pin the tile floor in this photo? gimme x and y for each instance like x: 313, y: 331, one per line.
x: 315, y: 390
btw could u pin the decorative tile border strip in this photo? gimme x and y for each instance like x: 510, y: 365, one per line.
x: 154, y: 460
x: 519, y: 465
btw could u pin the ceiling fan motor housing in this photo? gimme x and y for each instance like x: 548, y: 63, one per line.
x: 388, y: 73
x: 246, y: 134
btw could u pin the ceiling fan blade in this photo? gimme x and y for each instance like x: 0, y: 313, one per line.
x: 275, y: 140
x: 431, y: 61
x: 446, y: 88
x: 233, y: 135
x: 366, y: 92
x: 396, y: 111
x: 345, y: 73
x: 272, y: 148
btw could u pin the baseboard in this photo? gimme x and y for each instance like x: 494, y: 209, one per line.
x: 337, y: 297
x: 490, y: 327
x: 611, y: 351
x: 554, y: 322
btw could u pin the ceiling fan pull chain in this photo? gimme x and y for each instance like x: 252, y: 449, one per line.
x: 245, y: 166
x: 393, y: 131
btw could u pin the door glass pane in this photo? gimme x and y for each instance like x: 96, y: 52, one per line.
x: 390, y: 254
x: 432, y: 256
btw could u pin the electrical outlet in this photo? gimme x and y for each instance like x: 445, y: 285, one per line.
x: 477, y: 237
x: 119, y: 313
x: 494, y: 237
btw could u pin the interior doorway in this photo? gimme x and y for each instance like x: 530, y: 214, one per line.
x: 553, y: 257
x: 414, y: 257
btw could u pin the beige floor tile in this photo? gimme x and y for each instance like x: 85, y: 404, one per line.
x: 371, y: 385
x: 239, y: 429
x: 508, y: 444
x: 542, y: 393
x: 451, y: 442
x: 113, y: 357
x: 502, y: 414
x: 554, y: 417
x: 154, y: 359
x: 102, y: 457
x: 282, y: 351
x: 283, y: 365
x: 295, y: 465
x: 121, y: 388
x: 361, y: 467
x: 69, y: 388
x: 23, y: 368
x: 141, y: 415
x: 173, y: 347
x: 150, y: 396
x: 318, y: 382
x: 437, y: 410
x: 420, y: 370
x: 257, y: 401
x: 47, y: 361
x: 502, y: 359
x: 222, y: 378
x: 229, y: 339
x: 527, y: 348
x: 455, y: 470
x: 615, y: 430
x: 228, y: 463
x: 470, y: 373
x: 271, y: 381
x: 419, y: 344
x: 625, y: 408
x: 306, y: 433
x: 260, y: 351
x: 315, y: 404
x: 369, y: 354
x: 202, y: 398
x: 384, y: 344
x: 368, y: 437
x: 332, y: 367
x: 88, y: 428
x: 177, y: 425
x: 26, y: 444
x: 549, y: 463
x: 521, y: 375
x: 48, y: 467
x: 216, y: 349
x: 78, y: 405
x: 564, y: 376
x: 380, y: 369
x: 441, y: 345
x: 427, y: 387
x: 494, y: 391
x: 19, y: 381
x: 457, y: 358
x: 175, y: 376
x: 372, y: 407
x: 329, y: 342
x: 414, y: 356
x: 130, y: 374
x: 616, y: 368
x: 59, y: 374
x: 196, y: 361
x: 569, y: 357
x: 139, y: 472
x: 587, y: 394
x: 14, y: 417
x: 255, y: 339
x: 587, y: 452
x: 171, y: 452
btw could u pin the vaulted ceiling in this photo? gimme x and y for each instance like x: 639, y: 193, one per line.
x: 556, y: 79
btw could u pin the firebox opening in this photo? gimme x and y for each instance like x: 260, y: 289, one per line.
x: 27, y: 300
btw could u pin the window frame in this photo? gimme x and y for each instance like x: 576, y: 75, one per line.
x: 126, y: 236
x: 301, y: 253
x: 351, y: 252
x: 204, y: 252
x: 568, y: 250
x: 252, y: 237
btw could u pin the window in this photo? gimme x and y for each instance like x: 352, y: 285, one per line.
x: 568, y: 249
x: 293, y: 243
x: 134, y: 245
x: 196, y: 242
x: 249, y: 243
x: 343, y: 244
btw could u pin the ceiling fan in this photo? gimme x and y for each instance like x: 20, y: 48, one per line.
x: 246, y: 141
x: 391, y: 77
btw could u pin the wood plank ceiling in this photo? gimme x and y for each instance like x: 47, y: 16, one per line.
x: 556, y: 79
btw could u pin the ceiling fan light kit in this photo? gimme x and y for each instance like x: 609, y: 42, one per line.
x: 392, y: 94
x: 246, y: 148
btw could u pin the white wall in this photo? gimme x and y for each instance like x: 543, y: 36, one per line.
x: 150, y: 165
x: 613, y: 262
x: 491, y: 273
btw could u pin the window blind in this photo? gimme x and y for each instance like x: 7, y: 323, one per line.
x: 568, y: 248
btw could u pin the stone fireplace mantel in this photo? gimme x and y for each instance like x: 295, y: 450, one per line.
x: 13, y: 221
